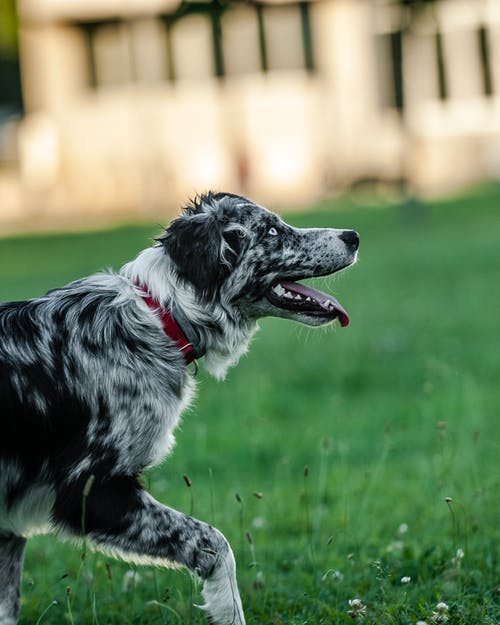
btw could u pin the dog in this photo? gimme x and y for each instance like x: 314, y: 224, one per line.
x: 94, y: 377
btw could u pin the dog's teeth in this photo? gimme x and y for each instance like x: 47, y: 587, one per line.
x: 280, y: 291
x: 308, y: 299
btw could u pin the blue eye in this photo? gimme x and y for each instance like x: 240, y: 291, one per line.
x: 272, y: 231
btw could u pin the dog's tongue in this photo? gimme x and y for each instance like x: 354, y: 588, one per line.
x: 327, y: 302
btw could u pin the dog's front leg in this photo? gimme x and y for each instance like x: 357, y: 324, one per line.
x: 11, y: 566
x: 121, y: 517
x: 160, y: 533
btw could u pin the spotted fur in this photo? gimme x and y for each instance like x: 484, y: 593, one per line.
x: 92, y: 389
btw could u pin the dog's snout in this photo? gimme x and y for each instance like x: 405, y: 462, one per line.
x: 350, y: 238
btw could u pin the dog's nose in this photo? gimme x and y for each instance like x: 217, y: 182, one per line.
x: 350, y: 238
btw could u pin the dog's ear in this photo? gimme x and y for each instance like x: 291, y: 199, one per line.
x: 204, y: 252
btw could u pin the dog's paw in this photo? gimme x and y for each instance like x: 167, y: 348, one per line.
x: 222, y: 602
x: 223, y: 612
x: 223, y: 615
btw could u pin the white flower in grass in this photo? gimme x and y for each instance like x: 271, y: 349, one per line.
x: 406, y: 579
x: 440, y: 613
x: 457, y: 559
x: 358, y: 608
x: 258, y: 522
x: 402, y: 529
x: 421, y: 623
x: 438, y: 618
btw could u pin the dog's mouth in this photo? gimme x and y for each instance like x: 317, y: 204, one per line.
x: 302, y: 299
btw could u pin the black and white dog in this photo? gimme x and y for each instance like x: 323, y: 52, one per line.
x: 94, y: 378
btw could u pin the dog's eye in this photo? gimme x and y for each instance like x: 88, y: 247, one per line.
x: 272, y: 231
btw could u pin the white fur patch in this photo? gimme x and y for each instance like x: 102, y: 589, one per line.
x: 30, y: 514
x: 220, y: 592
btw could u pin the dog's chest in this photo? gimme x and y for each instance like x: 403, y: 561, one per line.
x: 161, y: 434
x: 140, y: 426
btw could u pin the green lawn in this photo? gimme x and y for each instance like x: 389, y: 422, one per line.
x: 326, y: 457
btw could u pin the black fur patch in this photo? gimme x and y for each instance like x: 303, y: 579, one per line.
x: 203, y: 253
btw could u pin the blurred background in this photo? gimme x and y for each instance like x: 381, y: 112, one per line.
x: 124, y: 108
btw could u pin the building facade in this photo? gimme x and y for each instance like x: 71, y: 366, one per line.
x: 134, y: 105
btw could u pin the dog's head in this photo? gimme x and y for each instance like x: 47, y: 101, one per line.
x: 242, y: 256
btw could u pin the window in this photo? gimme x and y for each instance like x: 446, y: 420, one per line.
x: 191, y: 48
x: 113, y: 54
x: 148, y: 48
x: 241, y: 41
x: 283, y: 35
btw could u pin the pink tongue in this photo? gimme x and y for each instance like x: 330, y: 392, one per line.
x: 327, y: 302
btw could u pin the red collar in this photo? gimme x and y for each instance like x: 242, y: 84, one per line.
x: 170, y: 326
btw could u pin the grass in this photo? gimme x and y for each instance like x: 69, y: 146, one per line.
x: 336, y: 462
